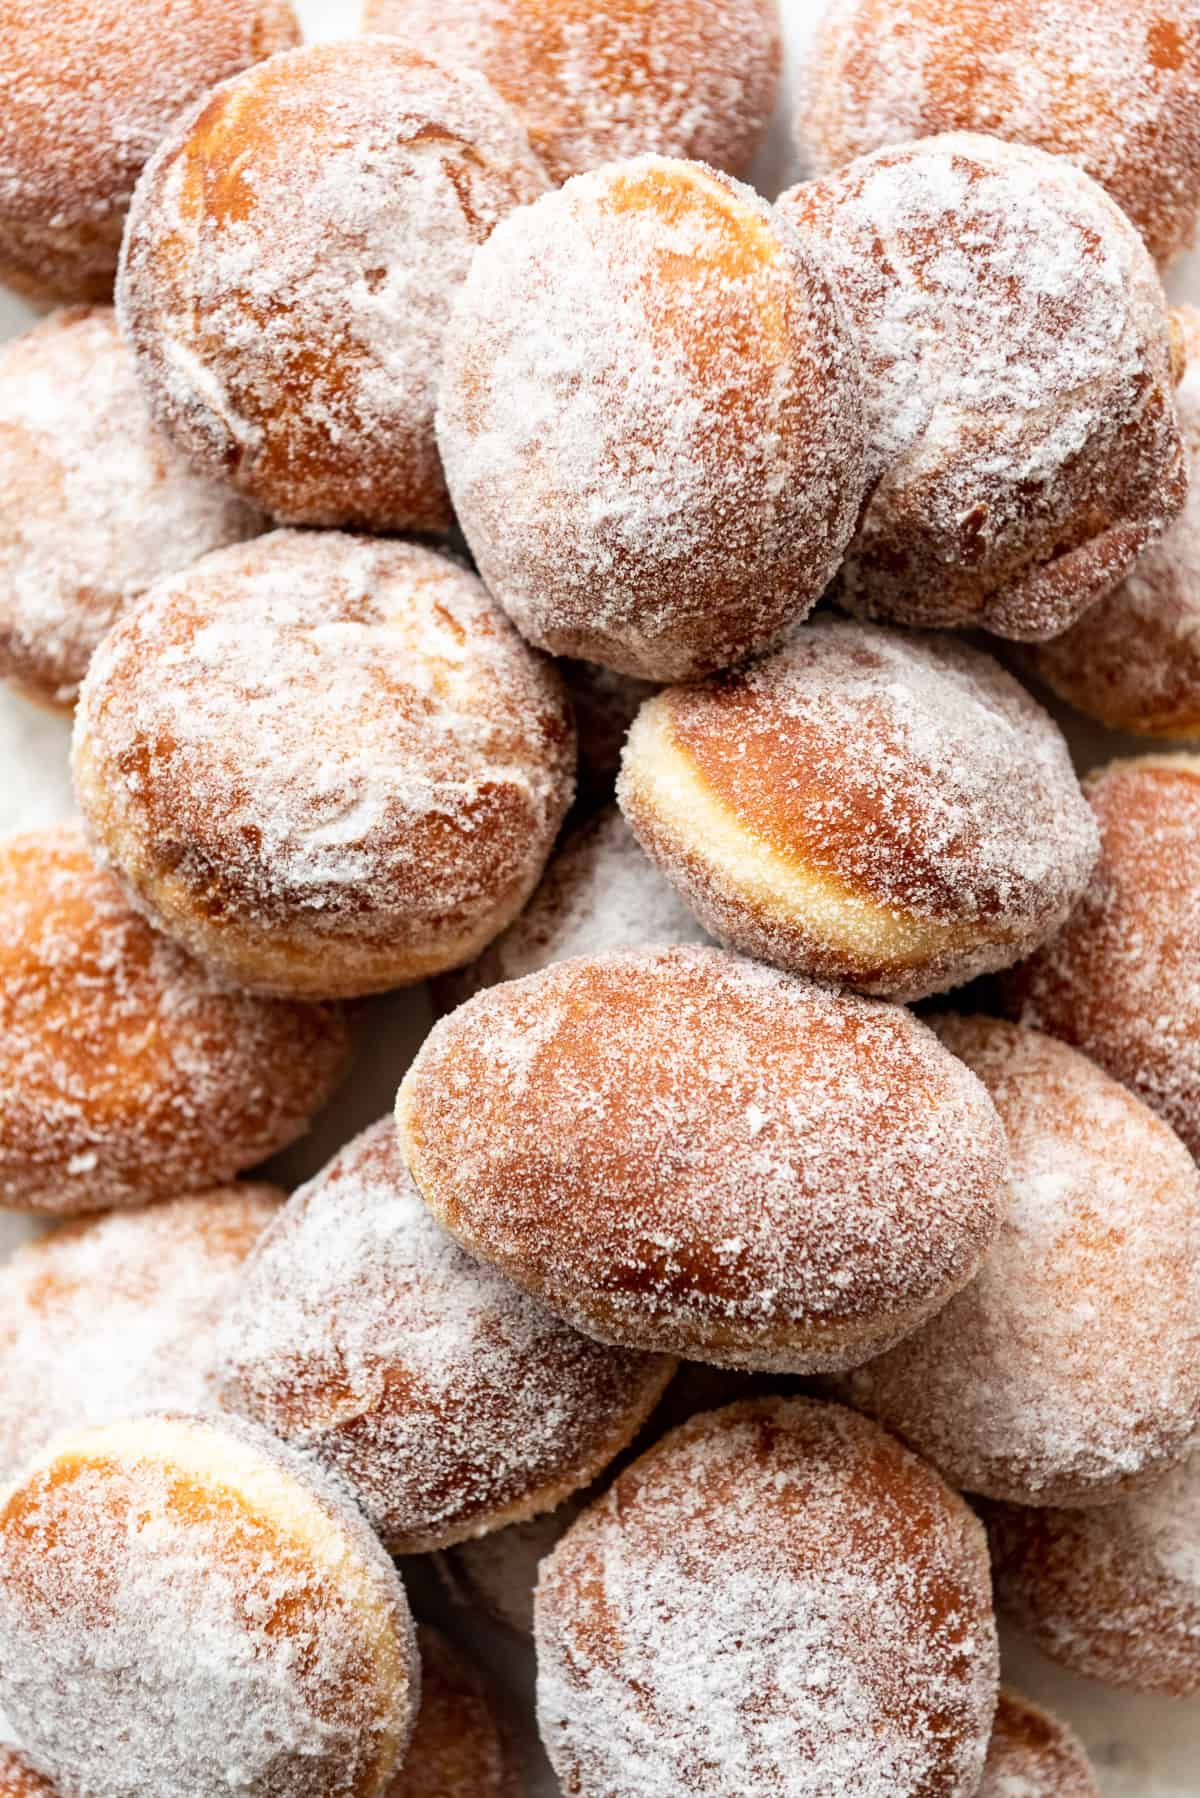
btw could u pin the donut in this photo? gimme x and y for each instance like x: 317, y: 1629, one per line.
x: 890, y: 812
x: 1118, y: 980
x: 1113, y: 1592
x: 117, y: 1314
x: 605, y: 704
x: 459, y: 1747
x: 651, y: 420
x: 1068, y: 1370
x: 19, y: 1780
x: 128, y: 1072
x: 87, y: 89
x: 448, y: 1401
x: 326, y: 765
x: 1033, y: 1755
x: 289, y: 266
x: 1019, y: 375
x: 95, y: 504
x: 1133, y: 660
x: 682, y: 1151
x: 594, y: 84
x: 1119, y: 95
x: 777, y: 1597
x: 228, y: 1621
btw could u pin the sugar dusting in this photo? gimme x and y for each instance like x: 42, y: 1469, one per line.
x: 1033, y: 1755
x: 460, y: 1748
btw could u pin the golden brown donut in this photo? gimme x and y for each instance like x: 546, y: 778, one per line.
x: 459, y: 1748
x: 229, y: 1621
x: 1118, y: 981
x: 676, y: 1149
x: 889, y: 812
x: 1019, y: 375
x: 19, y: 1780
x: 128, y: 1072
x: 327, y: 765
x: 87, y: 89
x: 95, y: 504
x: 289, y: 266
x: 1034, y: 1755
x: 651, y: 418
x: 1112, y: 84
x: 593, y: 83
x: 777, y: 1597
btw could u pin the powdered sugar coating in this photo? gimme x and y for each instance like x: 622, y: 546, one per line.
x: 681, y: 1150
x: 1033, y: 1755
x: 776, y: 1602
x: 19, y: 1780
x: 1112, y: 84
x: 326, y: 764
x: 95, y: 505
x: 288, y: 270
x: 128, y: 1072
x: 890, y: 812
x: 596, y: 83
x: 1019, y: 382
x: 651, y: 420
x: 1069, y: 1369
x: 459, y: 1747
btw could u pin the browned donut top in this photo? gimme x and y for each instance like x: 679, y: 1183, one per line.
x: 459, y: 1748
x: 1033, y: 1755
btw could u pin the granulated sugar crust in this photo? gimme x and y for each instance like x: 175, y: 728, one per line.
x: 460, y: 1748
x: 18, y: 1779
x: 1033, y: 1755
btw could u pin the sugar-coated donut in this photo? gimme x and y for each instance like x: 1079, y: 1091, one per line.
x: 651, y: 419
x: 128, y: 1073
x: 1133, y: 660
x: 117, y: 1314
x: 87, y: 89
x: 777, y: 1599
x: 680, y: 1150
x: 459, y: 1748
x: 605, y: 704
x: 593, y: 83
x: 19, y: 1780
x: 227, y: 1618
x: 289, y: 266
x: 1118, y: 981
x: 1034, y: 1755
x: 447, y: 1400
x: 1019, y: 373
x: 1113, y: 1592
x: 889, y: 812
x: 327, y: 765
x: 1119, y: 95
x: 95, y: 504
x: 1069, y: 1369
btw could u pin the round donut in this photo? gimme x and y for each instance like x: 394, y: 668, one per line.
x: 605, y: 704
x: 95, y: 504
x: 1125, y: 106
x: 1118, y: 980
x: 889, y: 812
x: 117, y: 1314
x: 596, y: 83
x: 129, y: 1073
x: 680, y: 1150
x: 448, y: 1401
x: 776, y: 1596
x: 459, y: 1748
x: 19, y: 1780
x: 289, y: 266
x: 326, y: 765
x: 1034, y: 1755
x: 1069, y: 1369
x: 87, y: 89
x: 651, y: 420
x: 1019, y: 376
x: 1113, y: 1592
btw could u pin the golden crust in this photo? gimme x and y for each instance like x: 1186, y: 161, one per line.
x: 460, y: 1747
x: 1034, y: 1755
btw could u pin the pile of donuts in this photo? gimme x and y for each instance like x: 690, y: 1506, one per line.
x: 484, y: 542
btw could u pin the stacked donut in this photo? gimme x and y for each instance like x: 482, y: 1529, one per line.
x: 422, y: 500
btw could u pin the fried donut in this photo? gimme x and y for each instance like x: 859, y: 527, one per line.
x: 1119, y: 94
x: 892, y: 813
x: 326, y: 765
x: 1069, y: 1369
x: 127, y: 1072
x: 595, y: 83
x: 117, y: 1314
x: 289, y: 265
x: 459, y: 1747
x: 446, y: 1400
x: 680, y: 1150
x: 1033, y: 1755
x: 19, y: 1780
x: 651, y: 420
x: 228, y: 1619
x: 87, y: 89
x: 95, y: 505
x: 1118, y: 981
x: 605, y: 704
x: 1020, y: 369
x: 776, y: 1598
